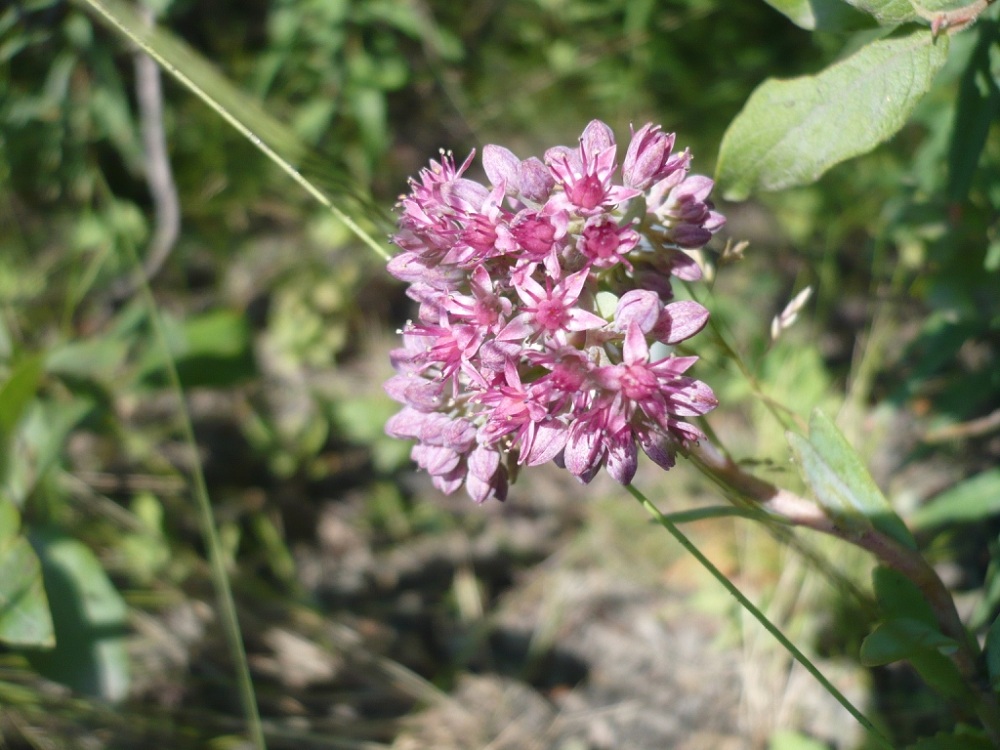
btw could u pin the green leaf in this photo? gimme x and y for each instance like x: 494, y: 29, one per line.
x: 17, y: 393
x: 902, y: 638
x: 842, y: 484
x: 790, y: 132
x: 24, y: 610
x: 887, y: 12
x: 39, y: 444
x: 820, y: 15
x: 899, y: 597
x: 212, y: 349
x: 992, y: 651
x: 95, y: 358
x: 787, y: 739
x: 977, y: 109
x: 973, y: 500
x: 90, y: 620
x: 940, y: 672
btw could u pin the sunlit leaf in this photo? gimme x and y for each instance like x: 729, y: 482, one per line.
x: 841, y: 482
x: 90, y: 620
x: 791, y: 131
x: 887, y: 12
x: 39, y: 444
x: 820, y: 15
x: 787, y: 739
x: 973, y: 500
x: 17, y: 393
x: 24, y: 608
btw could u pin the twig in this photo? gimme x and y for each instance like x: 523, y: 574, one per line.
x: 159, y: 177
x: 972, y: 428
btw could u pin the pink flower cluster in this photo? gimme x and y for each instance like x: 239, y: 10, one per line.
x: 544, y: 311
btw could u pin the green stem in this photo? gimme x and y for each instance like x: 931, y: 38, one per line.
x: 749, y: 606
x: 789, y: 508
x: 220, y: 577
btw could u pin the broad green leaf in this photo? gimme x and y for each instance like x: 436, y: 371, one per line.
x: 90, y: 620
x: 17, y: 393
x: 792, y: 131
x: 977, y: 109
x: 39, y: 443
x: 922, y: 646
x: 902, y: 638
x: 94, y: 358
x: 975, y: 499
x: 212, y: 349
x: 24, y: 609
x: 864, y: 493
x: 831, y: 492
x: 820, y: 15
x: 887, y: 12
x: 841, y: 483
x: 899, y: 597
x: 940, y: 672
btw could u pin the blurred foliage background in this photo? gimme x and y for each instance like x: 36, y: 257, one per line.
x: 279, y: 322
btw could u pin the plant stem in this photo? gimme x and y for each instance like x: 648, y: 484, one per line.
x: 750, y: 607
x: 220, y: 576
x: 789, y: 508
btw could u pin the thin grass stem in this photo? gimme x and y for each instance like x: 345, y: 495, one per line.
x: 220, y: 576
x: 758, y: 615
x: 127, y: 23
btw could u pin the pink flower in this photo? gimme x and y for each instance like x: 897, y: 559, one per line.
x: 549, y: 310
x: 516, y: 355
x: 648, y: 157
x: 586, y: 176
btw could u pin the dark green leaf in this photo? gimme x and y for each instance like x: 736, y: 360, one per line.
x: 966, y: 738
x: 902, y: 638
x: 212, y: 349
x: 940, y: 672
x: 820, y: 15
x: 993, y: 653
x: 978, y: 108
x: 790, y: 132
x: 90, y: 620
x: 899, y: 597
x: 973, y: 500
x: 24, y: 609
